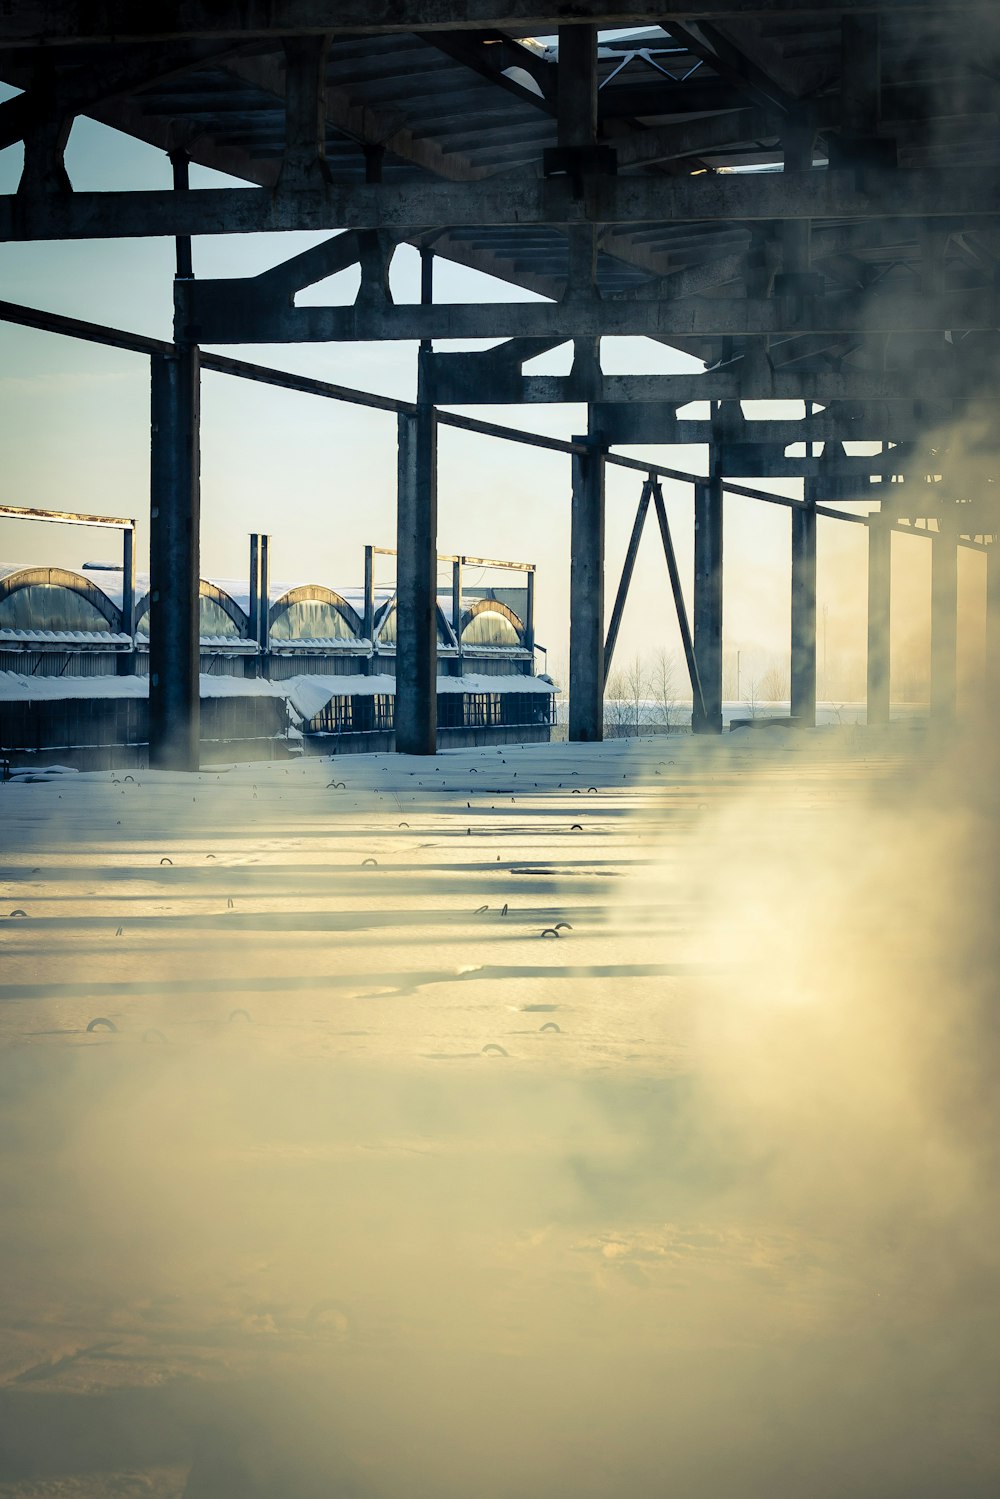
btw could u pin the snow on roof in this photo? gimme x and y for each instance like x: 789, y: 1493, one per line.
x: 16, y: 687
x: 99, y: 638
x: 355, y: 645
x: 308, y: 695
x: 514, y: 682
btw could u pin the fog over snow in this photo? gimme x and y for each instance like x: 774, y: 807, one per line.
x: 592, y: 1120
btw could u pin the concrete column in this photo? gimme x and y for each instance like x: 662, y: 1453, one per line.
x: 796, y: 234
x: 803, y: 689
x: 529, y: 618
x: 125, y: 661
x: 251, y: 664
x: 370, y: 666
x: 264, y: 613
x: 175, y: 494
x: 456, y: 609
x: 182, y: 244
x: 861, y: 75
x: 944, y: 624
x: 128, y: 580
x: 879, y: 613
x: 708, y: 604
x: 993, y: 618
x: 416, y: 584
x: 253, y: 622
x: 264, y: 631
x: 586, y: 597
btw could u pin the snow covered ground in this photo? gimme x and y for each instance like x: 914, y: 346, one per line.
x: 539, y: 1121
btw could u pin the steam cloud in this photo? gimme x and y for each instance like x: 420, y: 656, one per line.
x: 737, y: 1238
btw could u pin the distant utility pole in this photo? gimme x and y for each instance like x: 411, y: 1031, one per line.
x: 737, y: 676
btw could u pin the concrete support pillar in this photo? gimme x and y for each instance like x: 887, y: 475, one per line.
x: 305, y: 164
x: 128, y: 580
x: 529, y: 618
x: 993, y: 618
x: 175, y: 494
x: 125, y: 661
x: 944, y: 624
x: 251, y: 664
x: 264, y: 616
x: 457, y: 585
x: 879, y: 613
x: 798, y: 140
x: 253, y: 622
x: 586, y: 597
x: 368, y: 620
x: 803, y: 683
x: 861, y: 75
x: 264, y: 631
x: 416, y: 584
x: 707, y: 715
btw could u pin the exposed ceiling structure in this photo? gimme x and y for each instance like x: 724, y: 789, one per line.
x: 546, y: 170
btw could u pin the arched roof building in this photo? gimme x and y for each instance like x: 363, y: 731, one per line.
x: 329, y: 653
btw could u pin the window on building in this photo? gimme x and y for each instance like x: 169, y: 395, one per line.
x: 451, y: 710
x: 386, y: 629
x: 311, y: 619
x: 490, y: 628
x: 212, y: 621
x: 48, y: 606
x: 336, y: 718
x: 384, y: 716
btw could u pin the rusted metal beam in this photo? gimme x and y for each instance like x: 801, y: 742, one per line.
x: 67, y: 517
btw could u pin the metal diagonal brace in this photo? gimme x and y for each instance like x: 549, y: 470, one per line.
x: 652, y: 490
x: 675, y: 586
x: 626, y: 577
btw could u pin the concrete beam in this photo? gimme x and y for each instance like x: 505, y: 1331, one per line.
x: 879, y: 613
x: 872, y: 194
x: 174, y: 562
x: 232, y: 312
x: 756, y: 461
x: 692, y: 137
x: 127, y: 69
x: 634, y: 424
x: 69, y: 22
x: 803, y: 633
x: 450, y: 386
x: 586, y: 598
x: 416, y: 583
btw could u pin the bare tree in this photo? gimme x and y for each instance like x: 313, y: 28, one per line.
x: 662, y: 683
x: 730, y: 679
x: 636, y: 685
x: 774, y: 686
x: 616, y: 705
x: 625, y: 695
